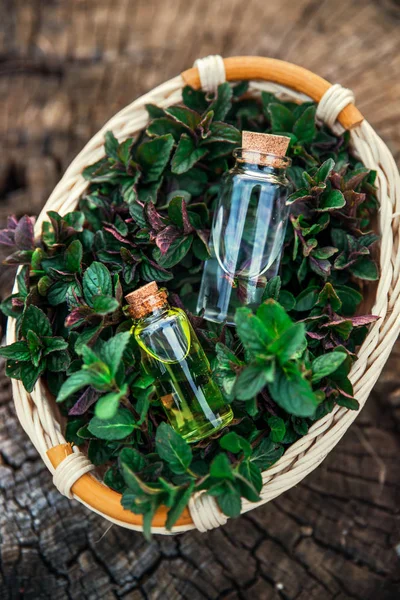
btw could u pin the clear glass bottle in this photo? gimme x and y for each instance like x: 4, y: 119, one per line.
x: 247, y: 234
x: 172, y: 354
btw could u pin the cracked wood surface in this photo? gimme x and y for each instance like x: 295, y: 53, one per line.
x: 65, y: 68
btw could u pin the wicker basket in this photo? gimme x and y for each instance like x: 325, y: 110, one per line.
x: 37, y: 411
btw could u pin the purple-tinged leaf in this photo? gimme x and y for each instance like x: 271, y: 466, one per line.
x: 12, y: 222
x: 356, y: 321
x: 84, y: 402
x: 7, y: 237
x: 111, y: 229
x: 315, y: 335
x: 165, y: 238
x: 24, y: 238
x: 78, y: 315
x: 154, y: 218
x: 187, y: 226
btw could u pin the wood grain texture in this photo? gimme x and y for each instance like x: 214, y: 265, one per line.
x: 66, y: 67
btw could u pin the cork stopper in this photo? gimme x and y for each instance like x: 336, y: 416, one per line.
x: 258, y: 148
x: 145, y: 300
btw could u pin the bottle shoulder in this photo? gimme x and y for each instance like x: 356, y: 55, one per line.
x: 166, y: 319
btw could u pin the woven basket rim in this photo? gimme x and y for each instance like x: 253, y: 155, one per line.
x: 37, y: 412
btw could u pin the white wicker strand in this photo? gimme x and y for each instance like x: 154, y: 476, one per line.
x: 211, y: 72
x: 205, y: 512
x: 335, y: 99
x: 69, y: 471
x: 303, y: 456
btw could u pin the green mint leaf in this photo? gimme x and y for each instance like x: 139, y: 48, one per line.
x: 175, y: 253
x: 74, y: 383
x: 274, y: 318
x: 292, y: 392
x: 304, y: 128
x: 112, y: 350
x: 117, y: 427
x: 278, y: 428
x: 194, y: 99
x: 153, y: 157
x: 272, y: 289
x: 96, y: 282
x: 252, y: 380
x: 324, y: 171
x: 35, y: 347
x: 104, y: 305
x: 289, y: 343
x: 350, y: 403
x: 350, y: 299
x: 235, y: 443
x: 53, y: 344
x: 230, y: 501
x: 266, y: 454
x: 18, y: 351
x: 365, y: 268
x: 324, y: 365
x: 251, y: 330
x: 36, y: 320
x: 180, y: 502
x: 164, y: 126
x: 282, y: 119
x: 222, y: 103
x: 111, y: 145
x: 307, y: 299
x: 30, y: 374
x: 187, y: 117
x: 186, y: 155
x: 173, y: 449
x: 244, y: 482
x: 73, y: 256
x: 58, y: 361
x: 251, y: 472
x: 131, y: 461
x: 107, y: 406
x: 223, y: 132
x: 221, y: 467
x: 332, y: 200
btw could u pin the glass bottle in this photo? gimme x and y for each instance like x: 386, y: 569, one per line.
x: 172, y: 354
x: 247, y: 234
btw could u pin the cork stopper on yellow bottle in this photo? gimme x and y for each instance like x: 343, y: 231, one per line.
x: 261, y: 148
x: 145, y: 300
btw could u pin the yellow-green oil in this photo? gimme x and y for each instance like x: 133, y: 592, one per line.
x: 172, y: 354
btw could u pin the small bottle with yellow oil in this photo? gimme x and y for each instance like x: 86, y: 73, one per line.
x: 172, y: 354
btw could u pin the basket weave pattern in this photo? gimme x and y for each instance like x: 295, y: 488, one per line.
x: 37, y: 411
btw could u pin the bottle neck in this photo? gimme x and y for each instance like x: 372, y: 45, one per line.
x: 155, y: 313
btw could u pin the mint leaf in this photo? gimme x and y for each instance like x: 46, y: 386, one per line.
x: 73, y: 256
x: 153, y: 156
x: 266, y: 454
x: 278, y: 428
x: 117, y: 427
x: 96, y: 282
x: 112, y: 350
x: 104, y: 305
x: 324, y: 365
x: 74, y: 383
x: 282, y: 118
x: 292, y: 392
x: 304, y: 128
x: 107, y: 406
x: 173, y: 449
x: 252, y: 380
x: 180, y: 502
x: 235, y: 443
x: 330, y: 201
x: 221, y: 467
x: 36, y: 320
x: 18, y: 351
x: 186, y: 155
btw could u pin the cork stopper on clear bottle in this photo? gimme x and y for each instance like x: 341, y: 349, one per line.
x: 146, y: 300
x: 264, y: 149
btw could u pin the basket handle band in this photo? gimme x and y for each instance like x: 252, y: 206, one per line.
x: 283, y: 73
x: 104, y: 500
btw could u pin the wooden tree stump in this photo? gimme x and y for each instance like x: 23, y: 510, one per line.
x: 68, y: 66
